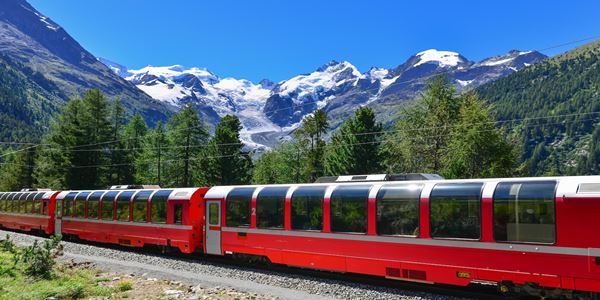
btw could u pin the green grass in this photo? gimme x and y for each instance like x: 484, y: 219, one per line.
x: 66, y: 283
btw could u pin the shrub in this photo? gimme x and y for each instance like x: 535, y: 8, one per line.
x: 40, y: 259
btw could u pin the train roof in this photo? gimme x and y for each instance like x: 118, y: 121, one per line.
x: 570, y: 185
x: 175, y: 194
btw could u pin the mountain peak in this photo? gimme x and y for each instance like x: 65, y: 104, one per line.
x: 441, y: 58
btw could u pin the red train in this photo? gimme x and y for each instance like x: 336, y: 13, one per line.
x: 535, y: 236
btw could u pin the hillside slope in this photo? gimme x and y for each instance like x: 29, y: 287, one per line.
x: 33, y: 44
x: 562, y: 95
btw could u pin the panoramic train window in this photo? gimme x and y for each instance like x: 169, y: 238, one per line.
x: 140, y: 206
x: 349, y: 208
x: 93, y: 205
x: 123, y: 205
x: 27, y: 207
x: 524, y: 212
x: 455, y: 210
x: 307, y: 208
x: 158, y: 206
x: 2, y: 202
x: 398, y: 210
x: 108, y: 205
x: 68, y: 204
x: 37, y: 203
x: 22, y: 203
x: 270, y: 205
x: 79, y: 209
x: 237, y: 207
x: 14, y: 202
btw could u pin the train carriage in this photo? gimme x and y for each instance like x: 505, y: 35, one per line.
x: 28, y: 211
x: 531, y: 235
x: 164, y: 217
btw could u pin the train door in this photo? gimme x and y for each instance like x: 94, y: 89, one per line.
x: 213, y: 227
x: 58, y: 217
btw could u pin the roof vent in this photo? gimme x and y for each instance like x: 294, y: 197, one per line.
x: 379, y: 177
x: 134, y: 187
x: 34, y: 190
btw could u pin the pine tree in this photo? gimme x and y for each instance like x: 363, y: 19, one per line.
x: 311, y: 133
x: 283, y: 164
x: 476, y: 148
x: 77, y: 150
x: 149, y: 166
x: 187, y: 136
x: 120, y: 171
x: 422, y: 133
x: 354, y: 148
x: 134, y: 134
x: 90, y: 166
x: 228, y: 164
x: 17, y: 172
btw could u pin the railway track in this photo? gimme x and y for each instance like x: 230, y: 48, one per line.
x: 364, y: 282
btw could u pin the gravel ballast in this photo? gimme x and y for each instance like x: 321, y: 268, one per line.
x: 210, y: 274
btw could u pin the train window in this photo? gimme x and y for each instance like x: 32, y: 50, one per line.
x: 68, y: 204
x: 2, y: 201
x: 28, y: 203
x: 178, y: 213
x: 23, y: 203
x: 123, y: 206
x: 524, y: 212
x: 158, y: 206
x: 237, y: 207
x: 270, y: 205
x: 455, y: 210
x: 37, y: 203
x: 213, y: 214
x: 398, y: 210
x: 93, y: 204
x: 307, y: 208
x: 107, y: 205
x: 79, y: 208
x: 14, y: 202
x: 140, y: 206
x: 8, y: 202
x: 349, y: 209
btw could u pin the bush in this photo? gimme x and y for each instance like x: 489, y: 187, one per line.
x: 40, y: 260
x: 124, y: 286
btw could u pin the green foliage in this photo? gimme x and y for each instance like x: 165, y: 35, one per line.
x: 451, y: 135
x: 226, y: 163
x: 559, y: 100
x: 311, y: 134
x: 354, y: 147
x: 41, y: 259
x: 423, y: 131
x: 24, y: 274
x: 149, y: 165
x: 477, y: 148
x: 19, y: 169
x: 83, y: 125
x: 284, y: 164
x: 187, y: 137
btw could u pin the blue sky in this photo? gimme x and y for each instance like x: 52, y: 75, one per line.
x: 279, y: 39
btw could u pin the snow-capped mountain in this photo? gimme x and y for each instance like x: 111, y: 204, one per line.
x: 212, y: 96
x: 270, y: 111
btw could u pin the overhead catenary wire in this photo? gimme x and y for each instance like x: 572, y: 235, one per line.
x: 344, y: 143
x: 69, y: 149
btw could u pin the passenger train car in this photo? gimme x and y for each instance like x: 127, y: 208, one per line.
x: 537, y: 236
